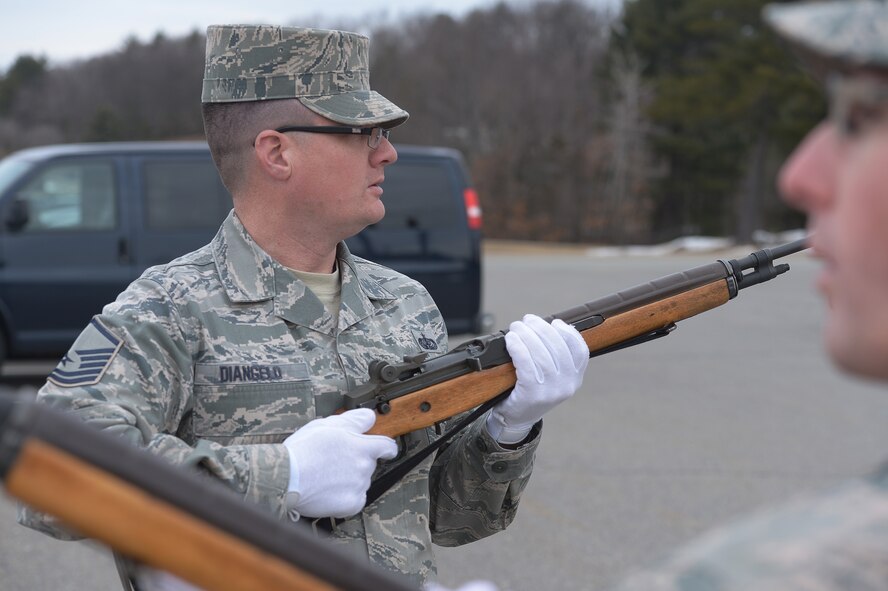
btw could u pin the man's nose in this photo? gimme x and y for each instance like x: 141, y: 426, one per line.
x: 384, y: 154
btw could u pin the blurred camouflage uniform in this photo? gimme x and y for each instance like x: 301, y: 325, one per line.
x: 834, y: 541
x: 212, y: 360
x: 838, y: 539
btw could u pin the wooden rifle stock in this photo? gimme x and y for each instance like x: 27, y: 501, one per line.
x: 163, y: 516
x: 462, y: 393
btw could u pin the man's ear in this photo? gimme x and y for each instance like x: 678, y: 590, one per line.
x: 272, y: 155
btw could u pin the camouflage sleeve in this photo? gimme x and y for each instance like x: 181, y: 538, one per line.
x: 476, y: 485
x: 835, y: 541
x: 141, y: 389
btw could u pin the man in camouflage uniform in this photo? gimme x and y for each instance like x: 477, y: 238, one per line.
x: 234, y: 358
x: 839, y: 177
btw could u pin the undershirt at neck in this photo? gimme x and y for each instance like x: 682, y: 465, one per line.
x: 325, y: 286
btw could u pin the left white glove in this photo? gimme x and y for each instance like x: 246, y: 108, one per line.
x: 332, y: 461
x: 549, y: 361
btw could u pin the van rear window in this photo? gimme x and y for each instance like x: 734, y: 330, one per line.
x: 419, y: 195
x: 184, y: 194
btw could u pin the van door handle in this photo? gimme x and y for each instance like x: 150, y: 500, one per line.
x: 123, y: 251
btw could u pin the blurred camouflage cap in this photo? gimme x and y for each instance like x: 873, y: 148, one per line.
x: 835, y: 34
x: 328, y: 71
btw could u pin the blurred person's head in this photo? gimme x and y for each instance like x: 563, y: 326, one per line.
x: 839, y: 174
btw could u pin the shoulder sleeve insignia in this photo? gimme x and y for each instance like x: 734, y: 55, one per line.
x: 425, y: 342
x: 89, y: 357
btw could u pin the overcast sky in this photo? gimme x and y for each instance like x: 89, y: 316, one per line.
x: 64, y: 30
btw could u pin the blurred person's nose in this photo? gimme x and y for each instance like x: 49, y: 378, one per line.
x: 807, y: 180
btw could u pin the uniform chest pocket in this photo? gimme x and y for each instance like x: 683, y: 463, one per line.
x: 232, y: 412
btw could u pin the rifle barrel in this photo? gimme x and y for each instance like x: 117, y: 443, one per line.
x: 789, y: 248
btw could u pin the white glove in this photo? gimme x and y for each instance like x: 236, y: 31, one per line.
x: 331, y: 462
x: 549, y: 361
x: 470, y: 586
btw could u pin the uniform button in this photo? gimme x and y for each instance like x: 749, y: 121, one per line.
x: 499, y: 467
x: 479, y: 443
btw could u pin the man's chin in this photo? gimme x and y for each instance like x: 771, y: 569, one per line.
x: 375, y: 219
x: 358, y: 229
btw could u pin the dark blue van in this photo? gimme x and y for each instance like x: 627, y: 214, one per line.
x: 79, y: 222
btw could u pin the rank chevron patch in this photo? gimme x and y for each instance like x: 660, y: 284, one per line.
x: 89, y: 357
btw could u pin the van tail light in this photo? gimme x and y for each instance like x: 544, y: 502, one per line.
x: 473, y: 208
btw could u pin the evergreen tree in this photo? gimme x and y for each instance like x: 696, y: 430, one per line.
x: 25, y: 70
x: 729, y: 103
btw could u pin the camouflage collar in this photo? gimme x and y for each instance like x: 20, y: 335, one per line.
x: 249, y: 274
x: 245, y: 270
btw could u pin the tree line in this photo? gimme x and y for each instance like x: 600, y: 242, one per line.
x: 578, y: 125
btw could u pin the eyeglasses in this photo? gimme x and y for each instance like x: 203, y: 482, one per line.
x: 374, y: 134
x: 856, y: 102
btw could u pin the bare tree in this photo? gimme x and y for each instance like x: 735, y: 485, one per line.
x: 630, y: 161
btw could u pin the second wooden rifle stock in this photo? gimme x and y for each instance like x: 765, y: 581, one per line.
x: 423, y: 391
x: 165, y: 516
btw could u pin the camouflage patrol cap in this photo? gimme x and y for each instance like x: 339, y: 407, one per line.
x: 843, y: 34
x: 327, y: 71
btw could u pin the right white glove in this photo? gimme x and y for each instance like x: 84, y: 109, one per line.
x: 331, y: 462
